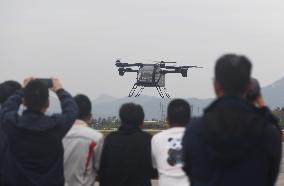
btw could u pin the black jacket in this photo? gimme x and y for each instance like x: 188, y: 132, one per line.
x: 3, y: 148
x: 35, y: 151
x: 232, y: 144
x: 126, y: 159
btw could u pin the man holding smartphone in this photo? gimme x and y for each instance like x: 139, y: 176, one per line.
x: 35, y: 154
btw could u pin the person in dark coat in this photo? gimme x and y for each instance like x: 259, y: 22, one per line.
x: 126, y: 156
x: 35, y: 152
x: 7, y: 89
x: 233, y: 143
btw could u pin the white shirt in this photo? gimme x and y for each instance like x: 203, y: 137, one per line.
x: 82, y: 150
x: 167, y: 157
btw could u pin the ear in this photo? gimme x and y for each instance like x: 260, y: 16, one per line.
x: 218, y: 88
x: 142, y: 124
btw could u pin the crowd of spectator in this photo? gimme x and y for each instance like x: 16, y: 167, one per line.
x: 237, y: 140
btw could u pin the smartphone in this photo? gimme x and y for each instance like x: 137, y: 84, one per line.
x: 46, y: 81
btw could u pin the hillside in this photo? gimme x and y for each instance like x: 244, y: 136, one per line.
x: 274, y: 94
x: 106, y: 105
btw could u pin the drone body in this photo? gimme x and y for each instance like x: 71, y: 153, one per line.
x: 151, y: 75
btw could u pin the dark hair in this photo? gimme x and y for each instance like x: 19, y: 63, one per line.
x: 253, y: 91
x: 36, y: 95
x: 84, y: 105
x: 233, y: 73
x: 131, y: 114
x: 179, y: 112
x: 7, y: 89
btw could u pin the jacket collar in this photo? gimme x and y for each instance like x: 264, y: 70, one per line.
x: 28, y: 111
x: 227, y: 101
x: 82, y: 123
x: 129, y: 128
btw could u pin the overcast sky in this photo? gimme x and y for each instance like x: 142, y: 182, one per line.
x: 79, y: 40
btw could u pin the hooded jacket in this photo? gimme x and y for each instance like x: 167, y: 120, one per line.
x: 126, y: 158
x: 35, y: 151
x: 232, y: 144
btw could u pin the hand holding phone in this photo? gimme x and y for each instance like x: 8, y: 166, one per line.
x: 56, y: 85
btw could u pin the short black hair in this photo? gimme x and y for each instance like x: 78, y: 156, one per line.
x: 84, y: 105
x: 36, y: 95
x: 233, y: 73
x: 179, y: 112
x: 7, y: 89
x: 131, y: 114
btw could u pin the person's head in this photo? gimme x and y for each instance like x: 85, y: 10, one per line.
x: 131, y: 114
x: 85, y: 107
x: 178, y: 113
x: 36, y: 96
x: 253, y: 91
x: 7, y: 89
x: 232, y: 75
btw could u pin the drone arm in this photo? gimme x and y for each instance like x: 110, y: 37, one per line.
x: 192, y: 67
x: 130, y: 70
x: 123, y: 65
x: 123, y: 70
x: 183, y: 72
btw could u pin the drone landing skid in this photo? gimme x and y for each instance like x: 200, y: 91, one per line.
x: 162, y: 91
x: 132, y: 91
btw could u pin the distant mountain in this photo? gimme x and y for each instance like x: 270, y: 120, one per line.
x: 274, y: 94
x: 152, y: 106
x: 155, y: 107
x: 104, y: 98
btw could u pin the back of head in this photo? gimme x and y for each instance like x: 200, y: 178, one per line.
x: 85, y: 107
x: 253, y: 91
x: 178, y: 112
x: 36, y: 95
x: 233, y: 74
x: 7, y: 89
x: 131, y: 114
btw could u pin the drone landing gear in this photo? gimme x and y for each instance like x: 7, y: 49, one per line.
x: 166, y: 93
x: 140, y: 91
x: 161, y: 90
x: 132, y: 91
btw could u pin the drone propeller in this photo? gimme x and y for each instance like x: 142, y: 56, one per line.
x: 165, y: 61
x: 191, y: 67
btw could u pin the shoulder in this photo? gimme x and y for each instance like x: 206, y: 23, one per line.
x: 193, y: 130
x: 166, y: 133
x: 112, y: 135
x: 145, y: 135
x: 194, y: 125
x: 273, y: 133
x: 84, y: 133
x: 157, y: 137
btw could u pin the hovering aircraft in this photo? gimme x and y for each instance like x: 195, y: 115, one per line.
x: 151, y: 75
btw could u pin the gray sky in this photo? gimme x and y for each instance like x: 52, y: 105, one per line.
x: 79, y: 40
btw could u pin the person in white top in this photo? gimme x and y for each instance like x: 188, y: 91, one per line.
x: 82, y: 148
x: 167, y: 154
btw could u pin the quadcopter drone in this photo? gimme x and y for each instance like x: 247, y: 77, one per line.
x: 151, y: 75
